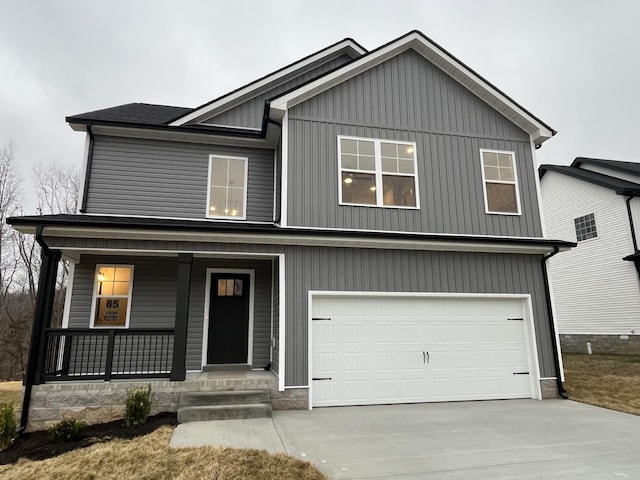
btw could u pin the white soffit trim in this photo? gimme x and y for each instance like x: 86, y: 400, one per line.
x: 205, y: 109
x: 422, y: 243
x: 455, y: 69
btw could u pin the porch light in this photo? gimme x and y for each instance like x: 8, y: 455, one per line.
x: 409, y: 149
x: 212, y: 209
x: 373, y: 188
x: 348, y: 180
x: 101, y: 277
x: 234, y: 213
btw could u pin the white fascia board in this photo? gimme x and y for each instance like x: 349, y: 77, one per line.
x: 344, y: 241
x: 435, y: 55
x: 206, y: 109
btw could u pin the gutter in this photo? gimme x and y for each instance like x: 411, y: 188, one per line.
x: 556, y: 354
x: 87, y: 174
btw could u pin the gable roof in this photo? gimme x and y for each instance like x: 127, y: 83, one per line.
x: 618, y: 185
x: 416, y: 40
x: 625, y: 167
x: 348, y: 46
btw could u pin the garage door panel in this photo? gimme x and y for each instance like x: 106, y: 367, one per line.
x: 416, y: 349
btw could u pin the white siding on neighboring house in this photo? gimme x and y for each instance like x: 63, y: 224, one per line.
x: 612, y: 173
x: 595, y: 291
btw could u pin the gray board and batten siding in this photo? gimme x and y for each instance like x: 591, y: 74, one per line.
x: 407, y: 98
x: 250, y: 112
x: 153, y: 299
x: 160, y: 178
x: 369, y: 270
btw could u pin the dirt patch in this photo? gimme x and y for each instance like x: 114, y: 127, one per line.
x: 38, y: 445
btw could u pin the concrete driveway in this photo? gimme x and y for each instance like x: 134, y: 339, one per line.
x: 522, y: 439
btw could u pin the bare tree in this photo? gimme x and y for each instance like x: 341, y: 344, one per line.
x: 57, y: 188
x: 9, y: 196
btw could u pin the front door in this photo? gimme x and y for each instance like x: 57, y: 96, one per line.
x: 228, y: 318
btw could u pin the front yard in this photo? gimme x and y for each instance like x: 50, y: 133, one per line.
x: 610, y: 381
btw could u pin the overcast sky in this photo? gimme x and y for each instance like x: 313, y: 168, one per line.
x: 573, y: 64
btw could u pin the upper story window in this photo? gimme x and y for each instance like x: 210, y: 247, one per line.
x: 377, y: 172
x: 112, y: 295
x: 585, y: 227
x: 500, y: 182
x: 227, y: 196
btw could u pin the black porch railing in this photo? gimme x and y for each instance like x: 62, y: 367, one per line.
x: 105, y: 354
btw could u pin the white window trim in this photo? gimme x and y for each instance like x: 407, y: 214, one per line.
x: 595, y: 219
x: 244, y: 203
x: 95, y: 292
x: 378, y: 173
x: 515, y: 182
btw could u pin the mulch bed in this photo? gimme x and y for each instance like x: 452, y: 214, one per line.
x: 38, y: 445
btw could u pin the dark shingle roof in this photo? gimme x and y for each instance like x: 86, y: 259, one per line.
x: 621, y: 187
x: 140, y: 113
x: 628, y: 167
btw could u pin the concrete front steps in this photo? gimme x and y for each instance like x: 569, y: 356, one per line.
x: 224, y: 405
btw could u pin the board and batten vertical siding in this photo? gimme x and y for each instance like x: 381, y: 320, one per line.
x: 169, y: 179
x: 595, y: 291
x: 250, y: 113
x: 408, y: 99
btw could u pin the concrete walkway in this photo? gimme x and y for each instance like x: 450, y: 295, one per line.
x: 523, y: 439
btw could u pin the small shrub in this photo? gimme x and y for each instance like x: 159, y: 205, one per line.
x: 8, y: 425
x: 67, y: 430
x: 137, y: 406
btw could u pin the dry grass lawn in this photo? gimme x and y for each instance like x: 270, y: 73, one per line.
x: 11, y: 392
x: 150, y: 457
x: 610, y: 381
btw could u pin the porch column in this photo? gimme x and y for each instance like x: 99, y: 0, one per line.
x: 179, y: 369
x: 41, y: 320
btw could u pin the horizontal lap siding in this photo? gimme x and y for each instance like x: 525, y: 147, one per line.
x: 169, y: 179
x: 408, y: 99
x: 250, y: 113
x: 378, y: 270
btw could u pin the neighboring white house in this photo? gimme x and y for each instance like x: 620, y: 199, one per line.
x: 595, y: 286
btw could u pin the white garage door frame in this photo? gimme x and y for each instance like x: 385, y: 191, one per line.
x: 529, y: 330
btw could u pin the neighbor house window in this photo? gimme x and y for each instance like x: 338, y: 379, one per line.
x: 500, y: 182
x: 585, y: 227
x: 227, y: 196
x: 112, y: 295
x: 377, y: 172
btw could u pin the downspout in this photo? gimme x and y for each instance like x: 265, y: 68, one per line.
x: 556, y: 354
x: 32, y: 364
x: 268, y: 120
x: 87, y: 173
x: 633, y: 230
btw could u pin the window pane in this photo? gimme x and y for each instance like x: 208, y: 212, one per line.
x: 348, y: 146
x: 405, y: 151
x: 504, y: 160
x: 349, y: 161
x: 219, y: 172
x: 235, y: 204
x: 388, y: 149
x: 490, y: 159
x: 501, y: 197
x: 365, y: 148
x: 358, y: 188
x: 121, y: 288
x: 506, y: 174
x: 390, y: 165
x: 111, y: 312
x: 366, y: 163
x: 218, y: 201
x: 491, y: 173
x: 123, y: 274
x: 108, y: 274
x: 236, y: 173
x: 405, y: 166
x: 399, y: 191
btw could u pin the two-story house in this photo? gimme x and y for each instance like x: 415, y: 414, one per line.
x: 596, y: 290
x: 361, y: 227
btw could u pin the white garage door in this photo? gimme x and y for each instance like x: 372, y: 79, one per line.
x: 382, y: 349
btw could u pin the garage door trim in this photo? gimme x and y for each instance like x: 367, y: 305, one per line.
x: 529, y: 330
